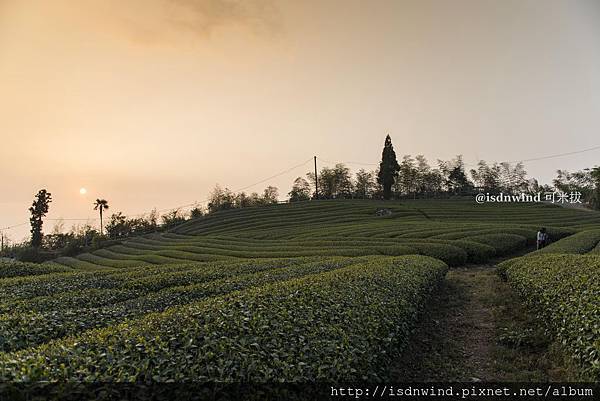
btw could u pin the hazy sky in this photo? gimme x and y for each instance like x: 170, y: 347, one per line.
x: 150, y: 103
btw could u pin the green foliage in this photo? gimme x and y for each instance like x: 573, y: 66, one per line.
x: 345, y: 324
x: 564, y: 290
x: 120, y: 226
x: 586, y: 182
x: 347, y: 228
x: 38, y: 211
x: 225, y: 199
x: 334, y: 183
x: 78, y: 307
x: 582, y: 242
x: 172, y: 219
x: 388, y: 168
x: 504, y: 244
x: 32, y: 254
x: 130, y: 308
x: 14, y: 269
x: 300, y: 190
x: 101, y: 205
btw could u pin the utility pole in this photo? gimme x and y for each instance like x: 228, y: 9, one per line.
x: 316, y: 181
x: 2, y: 241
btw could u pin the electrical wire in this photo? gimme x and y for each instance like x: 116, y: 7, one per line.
x: 177, y: 207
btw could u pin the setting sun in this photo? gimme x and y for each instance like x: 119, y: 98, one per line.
x: 82, y: 191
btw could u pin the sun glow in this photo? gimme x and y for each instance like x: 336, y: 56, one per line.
x: 82, y: 191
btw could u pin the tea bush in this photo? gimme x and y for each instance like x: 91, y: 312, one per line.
x: 339, y: 325
x: 564, y: 291
x: 15, y: 269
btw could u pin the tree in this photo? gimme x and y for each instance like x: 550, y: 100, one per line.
x: 364, y: 184
x: 343, y: 181
x: 487, y: 178
x: 221, y: 199
x: 407, y: 181
x: 270, y: 196
x: 118, y: 226
x: 580, y: 181
x: 196, y: 212
x: 300, y: 190
x: 388, y: 168
x: 38, y: 211
x: 334, y: 182
x: 101, y: 205
x: 173, y: 218
x: 595, y: 174
x: 453, y: 172
x: 242, y: 200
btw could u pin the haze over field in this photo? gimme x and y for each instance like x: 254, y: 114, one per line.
x: 149, y: 103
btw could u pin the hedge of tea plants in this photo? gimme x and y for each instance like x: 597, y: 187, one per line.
x: 457, y: 232
x: 31, y: 321
x: 16, y: 269
x: 564, y: 291
x: 344, y: 324
x: 580, y: 243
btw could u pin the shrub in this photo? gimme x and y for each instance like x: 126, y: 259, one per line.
x: 339, y: 325
x: 34, y: 255
x: 504, y: 244
x: 564, y: 291
x: 14, y: 269
x: 476, y: 252
x: 582, y: 242
x: 28, y: 322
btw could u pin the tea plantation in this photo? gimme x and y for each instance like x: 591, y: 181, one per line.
x: 314, y: 291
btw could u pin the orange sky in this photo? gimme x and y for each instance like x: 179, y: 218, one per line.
x: 149, y: 103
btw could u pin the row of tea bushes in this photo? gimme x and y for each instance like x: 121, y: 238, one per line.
x: 104, y: 307
x: 582, y: 242
x: 338, y: 325
x: 504, y: 244
x: 18, y: 269
x: 564, y: 291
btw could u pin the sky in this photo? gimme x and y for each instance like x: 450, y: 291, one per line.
x: 150, y: 103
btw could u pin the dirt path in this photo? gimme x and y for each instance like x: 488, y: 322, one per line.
x: 477, y: 330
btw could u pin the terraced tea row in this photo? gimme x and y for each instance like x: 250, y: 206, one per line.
x: 346, y: 228
x: 564, y: 290
x: 17, y: 269
x: 29, y: 322
x: 343, y: 324
x: 580, y: 243
x: 134, y: 252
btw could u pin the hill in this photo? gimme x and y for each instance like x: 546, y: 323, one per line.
x: 456, y: 231
x: 315, y: 291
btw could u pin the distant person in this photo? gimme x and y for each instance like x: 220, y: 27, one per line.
x: 542, y: 238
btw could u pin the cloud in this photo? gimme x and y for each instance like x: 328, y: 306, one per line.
x: 152, y: 21
x: 202, y: 16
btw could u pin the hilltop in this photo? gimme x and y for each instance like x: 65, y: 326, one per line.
x: 455, y: 231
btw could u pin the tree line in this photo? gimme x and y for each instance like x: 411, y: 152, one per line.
x: 415, y: 177
x: 412, y: 177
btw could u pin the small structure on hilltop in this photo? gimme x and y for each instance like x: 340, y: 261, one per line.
x: 383, y: 212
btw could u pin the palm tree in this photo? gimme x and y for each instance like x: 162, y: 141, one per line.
x: 101, y: 204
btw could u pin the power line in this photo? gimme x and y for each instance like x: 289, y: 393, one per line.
x: 237, y: 190
x: 557, y: 155
x: 510, y: 162
x: 349, y: 162
x: 181, y: 206
x: 15, y: 226
x: 276, y: 175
